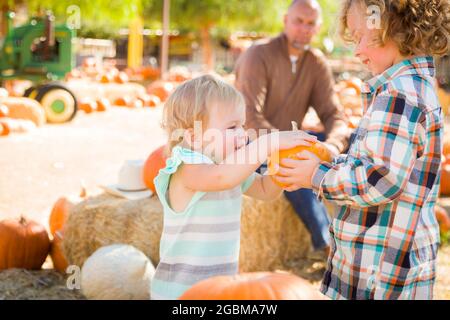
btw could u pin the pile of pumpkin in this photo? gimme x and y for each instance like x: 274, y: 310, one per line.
x: 18, y: 115
x: 107, y: 73
x: 349, y: 93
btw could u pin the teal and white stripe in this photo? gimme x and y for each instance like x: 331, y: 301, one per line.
x: 201, y: 242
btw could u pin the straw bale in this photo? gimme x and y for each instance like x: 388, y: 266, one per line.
x: 21, y: 284
x: 272, y: 235
x: 104, y: 220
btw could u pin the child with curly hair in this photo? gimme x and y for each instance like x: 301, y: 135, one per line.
x: 385, y: 235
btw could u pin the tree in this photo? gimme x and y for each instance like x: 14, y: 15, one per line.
x: 208, y: 16
x: 203, y: 16
x: 98, y: 17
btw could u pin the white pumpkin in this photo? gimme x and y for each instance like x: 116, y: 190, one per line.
x: 117, y: 272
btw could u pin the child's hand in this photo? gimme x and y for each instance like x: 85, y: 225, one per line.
x: 289, y: 139
x: 298, y: 173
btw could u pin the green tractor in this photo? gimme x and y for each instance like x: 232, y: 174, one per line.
x: 41, y: 52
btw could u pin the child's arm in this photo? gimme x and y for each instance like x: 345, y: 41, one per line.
x: 240, y: 164
x: 395, y: 138
x: 263, y: 188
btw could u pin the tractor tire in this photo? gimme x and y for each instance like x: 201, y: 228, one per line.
x: 59, y: 103
x: 31, y: 92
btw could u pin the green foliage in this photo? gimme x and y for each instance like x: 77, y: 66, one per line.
x: 103, y: 18
x: 445, y: 238
x: 99, y: 18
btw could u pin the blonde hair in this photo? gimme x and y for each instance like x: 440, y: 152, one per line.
x: 192, y: 101
x: 415, y: 26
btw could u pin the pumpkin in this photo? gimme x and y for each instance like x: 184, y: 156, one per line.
x: 253, y: 286
x: 117, y: 272
x: 137, y: 103
x: 275, y: 159
x: 121, y: 77
x: 179, y: 74
x: 87, y: 105
x: 89, y: 62
x: 26, y: 109
x: 446, y: 148
x: 149, y: 100
x: 16, y: 125
x: 149, y: 72
x: 442, y: 218
x: 4, y: 129
x: 3, y: 93
x: 103, y: 104
x: 59, y: 260
x: 161, y: 89
x: 106, y: 78
x: 445, y: 179
x: 354, y: 83
x: 23, y: 244
x: 4, y: 111
x: 155, y: 162
x: 61, y: 209
x: 124, y: 101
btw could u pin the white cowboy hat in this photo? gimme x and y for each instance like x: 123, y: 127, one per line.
x: 131, y: 182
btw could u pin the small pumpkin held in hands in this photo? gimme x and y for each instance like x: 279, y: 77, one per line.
x: 253, y: 286
x: 275, y: 159
x: 23, y: 244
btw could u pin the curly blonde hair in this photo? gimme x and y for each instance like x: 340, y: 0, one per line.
x: 416, y: 26
x: 192, y: 101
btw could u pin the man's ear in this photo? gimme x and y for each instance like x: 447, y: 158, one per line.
x: 285, y: 17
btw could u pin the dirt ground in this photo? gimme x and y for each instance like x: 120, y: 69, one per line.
x: 39, y: 167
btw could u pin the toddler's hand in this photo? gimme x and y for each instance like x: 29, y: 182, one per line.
x: 290, y: 139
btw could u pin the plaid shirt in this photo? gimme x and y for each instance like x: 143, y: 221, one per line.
x: 385, y: 234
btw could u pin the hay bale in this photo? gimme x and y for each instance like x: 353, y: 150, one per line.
x: 21, y: 284
x: 104, y: 220
x: 272, y: 235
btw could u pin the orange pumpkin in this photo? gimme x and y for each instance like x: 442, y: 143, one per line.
x: 4, y: 111
x: 106, y: 78
x: 317, y: 148
x: 124, y: 101
x: 445, y: 179
x: 121, y: 77
x: 103, y: 104
x: 354, y: 83
x: 443, y: 219
x: 137, y: 103
x: 446, y: 148
x: 155, y: 162
x: 23, y: 244
x: 149, y: 100
x: 4, y: 129
x: 59, y: 260
x: 253, y: 286
x: 87, y: 105
x: 60, y: 211
x: 161, y: 89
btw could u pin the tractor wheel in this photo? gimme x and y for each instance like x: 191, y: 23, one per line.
x: 31, y: 92
x: 59, y: 102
